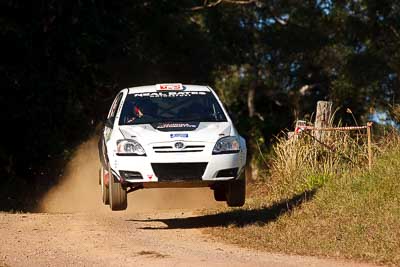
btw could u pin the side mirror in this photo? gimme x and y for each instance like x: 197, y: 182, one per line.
x: 110, y: 123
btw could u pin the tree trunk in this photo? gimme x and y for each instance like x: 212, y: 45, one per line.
x: 251, y: 167
x: 250, y: 101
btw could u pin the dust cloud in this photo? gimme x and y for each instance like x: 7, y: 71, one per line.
x: 79, y: 190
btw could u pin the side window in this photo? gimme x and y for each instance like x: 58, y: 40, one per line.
x: 115, y: 106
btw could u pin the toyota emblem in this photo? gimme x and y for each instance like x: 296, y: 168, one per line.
x: 179, y: 145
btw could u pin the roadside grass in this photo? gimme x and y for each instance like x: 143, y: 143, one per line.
x: 323, y: 204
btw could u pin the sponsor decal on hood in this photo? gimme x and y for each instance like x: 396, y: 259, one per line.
x: 175, y: 126
x: 179, y: 135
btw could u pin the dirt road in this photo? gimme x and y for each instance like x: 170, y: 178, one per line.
x: 158, y: 238
x: 160, y: 228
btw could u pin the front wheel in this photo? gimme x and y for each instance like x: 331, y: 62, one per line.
x: 118, y: 199
x: 236, y: 192
x: 220, y: 193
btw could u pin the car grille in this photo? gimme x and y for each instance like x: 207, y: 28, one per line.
x: 170, y: 149
x: 179, y: 171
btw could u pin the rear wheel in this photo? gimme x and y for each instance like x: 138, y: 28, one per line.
x: 104, y: 189
x: 118, y: 200
x: 236, y: 192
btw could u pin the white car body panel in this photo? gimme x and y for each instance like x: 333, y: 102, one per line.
x: 200, y: 141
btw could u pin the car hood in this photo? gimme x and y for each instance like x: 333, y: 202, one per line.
x: 204, y: 132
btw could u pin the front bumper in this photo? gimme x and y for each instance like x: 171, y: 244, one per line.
x: 194, y: 168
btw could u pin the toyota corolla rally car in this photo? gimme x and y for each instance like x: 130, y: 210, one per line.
x: 170, y: 135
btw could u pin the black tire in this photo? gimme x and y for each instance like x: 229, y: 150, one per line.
x: 118, y: 200
x: 220, y: 193
x: 236, y: 192
x: 105, y: 194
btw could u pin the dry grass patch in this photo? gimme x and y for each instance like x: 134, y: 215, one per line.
x: 348, y: 213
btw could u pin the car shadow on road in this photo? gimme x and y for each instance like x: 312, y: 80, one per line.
x: 236, y: 217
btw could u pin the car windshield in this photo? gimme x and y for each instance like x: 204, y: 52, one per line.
x: 158, y: 107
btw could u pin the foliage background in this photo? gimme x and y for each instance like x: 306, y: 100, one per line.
x: 62, y: 62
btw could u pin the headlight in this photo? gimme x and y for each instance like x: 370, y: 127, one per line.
x: 226, y: 145
x: 129, y: 148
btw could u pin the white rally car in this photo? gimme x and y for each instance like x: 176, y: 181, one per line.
x: 170, y: 135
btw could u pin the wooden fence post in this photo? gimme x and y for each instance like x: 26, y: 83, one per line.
x: 369, y: 134
x: 322, y: 117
